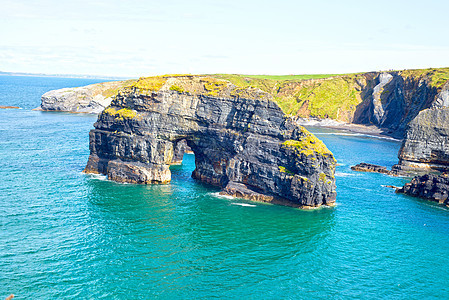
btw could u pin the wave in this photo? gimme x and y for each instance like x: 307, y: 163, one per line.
x: 218, y: 195
x: 244, y: 204
x: 98, y: 177
x: 342, y: 174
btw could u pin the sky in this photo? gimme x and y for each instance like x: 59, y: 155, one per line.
x: 140, y: 38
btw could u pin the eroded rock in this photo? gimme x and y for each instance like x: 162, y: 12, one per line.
x: 426, y: 143
x: 430, y: 186
x: 242, y: 141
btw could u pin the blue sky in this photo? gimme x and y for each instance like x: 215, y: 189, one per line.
x: 137, y: 38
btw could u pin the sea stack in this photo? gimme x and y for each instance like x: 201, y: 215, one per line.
x: 241, y: 139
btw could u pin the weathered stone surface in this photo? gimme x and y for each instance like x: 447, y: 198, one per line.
x: 242, y: 141
x: 390, y: 100
x: 87, y: 99
x: 429, y: 186
x: 426, y: 143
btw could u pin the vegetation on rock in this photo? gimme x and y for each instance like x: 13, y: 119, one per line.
x: 121, y: 114
x: 154, y: 83
x: 308, y: 145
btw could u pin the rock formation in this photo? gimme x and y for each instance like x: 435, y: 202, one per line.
x: 364, y: 167
x: 242, y: 141
x: 87, y: 99
x: 426, y: 143
x: 430, y: 186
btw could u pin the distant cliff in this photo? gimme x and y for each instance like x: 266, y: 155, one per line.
x: 87, y: 99
x: 388, y: 100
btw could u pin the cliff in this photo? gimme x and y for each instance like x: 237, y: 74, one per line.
x: 87, y: 99
x: 388, y: 100
x: 242, y: 140
x: 426, y: 143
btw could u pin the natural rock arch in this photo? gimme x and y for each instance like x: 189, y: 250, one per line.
x: 242, y: 141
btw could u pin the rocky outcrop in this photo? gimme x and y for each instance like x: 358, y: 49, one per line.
x: 426, y: 143
x: 87, y: 99
x: 365, y: 167
x: 430, y: 186
x: 241, y: 139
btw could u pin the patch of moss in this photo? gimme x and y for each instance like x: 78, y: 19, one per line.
x: 177, y: 89
x: 121, y: 114
x: 322, y: 177
x: 308, y: 145
x: 285, y: 170
x: 154, y: 83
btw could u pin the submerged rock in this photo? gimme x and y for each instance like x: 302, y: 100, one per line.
x: 87, y: 99
x: 430, y: 186
x: 242, y: 141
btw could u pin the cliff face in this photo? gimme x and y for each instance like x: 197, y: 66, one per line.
x: 391, y: 100
x: 242, y: 141
x: 388, y: 100
x: 426, y: 143
x: 87, y: 99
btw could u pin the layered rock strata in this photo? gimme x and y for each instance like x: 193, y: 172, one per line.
x: 242, y: 141
x: 426, y: 143
x: 87, y: 99
x: 430, y: 186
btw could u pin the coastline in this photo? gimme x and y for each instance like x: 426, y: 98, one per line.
x: 370, y: 130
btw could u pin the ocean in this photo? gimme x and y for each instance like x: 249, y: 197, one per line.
x: 67, y: 235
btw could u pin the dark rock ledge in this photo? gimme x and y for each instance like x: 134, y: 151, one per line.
x: 241, y: 139
x: 430, y: 186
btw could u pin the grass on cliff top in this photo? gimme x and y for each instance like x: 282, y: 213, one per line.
x: 437, y: 76
x: 325, y: 99
x: 335, y: 98
x: 293, y: 77
x: 154, y: 83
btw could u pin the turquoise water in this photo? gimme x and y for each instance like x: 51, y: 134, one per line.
x: 68, y: 235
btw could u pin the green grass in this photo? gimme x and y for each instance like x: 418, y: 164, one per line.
x: 293, y: 77
x: 336, y: 97
x: 436, y: 77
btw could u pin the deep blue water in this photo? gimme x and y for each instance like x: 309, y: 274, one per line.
x: 68, y: 235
